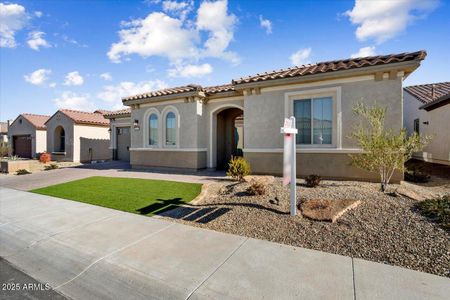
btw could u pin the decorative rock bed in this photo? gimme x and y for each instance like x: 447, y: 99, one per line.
x: 381, y: 228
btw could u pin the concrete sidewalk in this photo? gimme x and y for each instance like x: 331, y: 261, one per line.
x: 90, y: 252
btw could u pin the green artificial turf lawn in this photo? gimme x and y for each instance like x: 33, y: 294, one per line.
x: 140, y: 196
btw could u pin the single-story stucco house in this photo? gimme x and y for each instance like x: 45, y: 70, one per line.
x: 120, y: 140
x: 78, y: 136
x: 427, y: 111
x: 195, y: 127
x: 28, y: 135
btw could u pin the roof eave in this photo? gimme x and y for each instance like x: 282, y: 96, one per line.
x: 124, y: 115
x: 444, y: 100
x: 162, y: 98
x: 407, y: 67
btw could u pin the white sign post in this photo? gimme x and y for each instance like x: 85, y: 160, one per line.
x: 289, y: 160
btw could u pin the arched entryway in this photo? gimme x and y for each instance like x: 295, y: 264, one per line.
x: 228, y: 135
x: 59, y: 140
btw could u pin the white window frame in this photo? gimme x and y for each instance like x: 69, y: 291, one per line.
x: 146, y: 130
x: 335, y: 94
x: 164, y: 113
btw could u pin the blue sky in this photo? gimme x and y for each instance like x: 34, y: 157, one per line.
x: 70, y: 54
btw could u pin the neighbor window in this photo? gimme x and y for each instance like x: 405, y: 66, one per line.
x: 314, y: 120
x: 153, y: 130
x: 417, y: 126
x: 171, y: 138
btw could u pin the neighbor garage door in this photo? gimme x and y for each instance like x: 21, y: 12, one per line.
x: 22, y: 146
x: 123, y: 143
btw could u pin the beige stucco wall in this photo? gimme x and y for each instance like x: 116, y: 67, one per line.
x: 59, y: 119
x: 327, y: 165
x: 264, y: 114
x: 38, y: 137
x: 168, y: 159
x: 90, y: 132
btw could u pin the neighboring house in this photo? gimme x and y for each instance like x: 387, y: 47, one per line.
x: 27, y: 135
x: 427, y: 111
x: 120, y: 128
x: 78, y: 136
x: 196, y: 127
x: 4, y: 133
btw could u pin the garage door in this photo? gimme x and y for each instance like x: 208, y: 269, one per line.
x: 123, y: 143
x: 22, y: 146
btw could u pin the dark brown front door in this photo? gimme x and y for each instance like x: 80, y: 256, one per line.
x: 22, y: 146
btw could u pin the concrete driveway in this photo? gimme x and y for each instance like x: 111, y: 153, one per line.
x: 110, y: 169
x: 90, y: 252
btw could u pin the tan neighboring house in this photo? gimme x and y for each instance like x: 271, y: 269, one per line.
x: 120, y: 129
x: 195, y: 127
x: 28, y: 135
x: 4, y: 132
x: 427, y: 111
x: 78, y: 136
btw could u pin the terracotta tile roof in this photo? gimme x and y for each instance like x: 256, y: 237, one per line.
x: 118, y: 113
x: 165, y: 92
x: 333, y: 66
x: 38, y: 121
x: 82, y: 117
x: 427, y: 93
x: 218, y: 89
x: 102, y: 111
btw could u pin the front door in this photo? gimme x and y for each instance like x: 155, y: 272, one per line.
x: 123, y: 143
x: 230, y: 136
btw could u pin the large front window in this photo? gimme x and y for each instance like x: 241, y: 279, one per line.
x: 314, y: 120
x: 171, y: 138
x: 153, y: 130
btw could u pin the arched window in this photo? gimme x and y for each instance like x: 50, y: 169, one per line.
x: 59, y: 139
x: 153, y: 130
x: 171, y: 131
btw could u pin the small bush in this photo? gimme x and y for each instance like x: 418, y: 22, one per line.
x: 51, y: 167
x: 416, y: 174
x: 22, y: 172
x: 312, y: 180
x: 256, y: 188
x: 238, y: 167
x: 438, y: 210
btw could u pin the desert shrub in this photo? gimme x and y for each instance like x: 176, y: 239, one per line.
x: 438, y: 210
x: 51, y: 167
x: 238, y: 167
x: 4, y: 150
x: 256, y: 188
x: 22, y: 172
x: 312, y: 180
x: 416, y: 174
x: 13, y: 157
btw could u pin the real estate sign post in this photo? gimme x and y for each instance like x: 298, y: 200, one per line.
x: 289, y: 160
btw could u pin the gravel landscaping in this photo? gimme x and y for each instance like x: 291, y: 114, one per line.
x: 382, y: 228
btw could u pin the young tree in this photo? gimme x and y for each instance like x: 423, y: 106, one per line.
x: 383, y: 150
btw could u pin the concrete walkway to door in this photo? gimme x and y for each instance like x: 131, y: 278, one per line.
x: 91, y: 252
x: 109, y: 169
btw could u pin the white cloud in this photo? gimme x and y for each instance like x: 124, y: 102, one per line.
x: 52, y: 85
x: 382, y: 20
x: 181, y: 9
x: 12, y: 19
x: 106, y: 76
x: 214, y: 18
x: 38, y: 77
x: 38, y: 14
x: 191, y: 70
x: 177, y: 39
x: 74, y: 78
x: 157, y: 34
x: 36, y: 40
x: 363, y: 52
x: 113, y: 94
x: 301, y: 57
x: 265, y: 24
x: 71, y: 100
x: 68, y: 40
